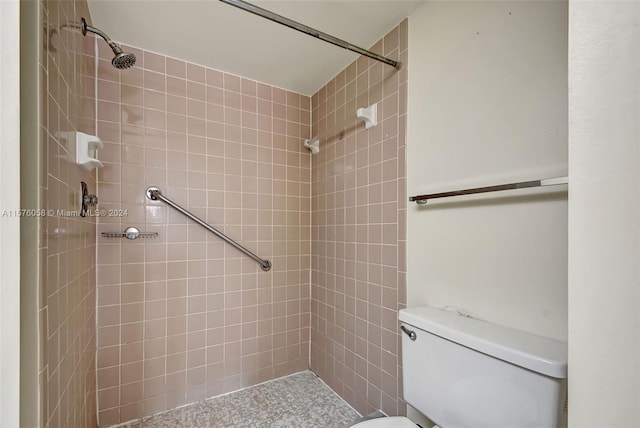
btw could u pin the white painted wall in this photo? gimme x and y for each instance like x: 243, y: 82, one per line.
x: 604, y: 214
x: 487, y: 105
x: 9, y: 226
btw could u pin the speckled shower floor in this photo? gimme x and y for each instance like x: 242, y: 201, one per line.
x: 296, y: 401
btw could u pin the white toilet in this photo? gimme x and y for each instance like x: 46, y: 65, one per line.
x: 463, y: 372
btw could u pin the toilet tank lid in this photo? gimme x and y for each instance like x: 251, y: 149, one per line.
x: 533, y: 352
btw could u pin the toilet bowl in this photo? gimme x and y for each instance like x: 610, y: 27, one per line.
x: 391, y: 422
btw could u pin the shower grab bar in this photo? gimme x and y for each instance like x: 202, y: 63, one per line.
x: 423, y: 199
x: 256, y: 10
x: 155, y: 194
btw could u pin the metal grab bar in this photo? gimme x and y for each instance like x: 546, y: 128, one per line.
x: 423, y: 199
x: 155, y: 194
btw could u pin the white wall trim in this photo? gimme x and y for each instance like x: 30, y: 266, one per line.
x: 9, y: 201
x: 604, y: 213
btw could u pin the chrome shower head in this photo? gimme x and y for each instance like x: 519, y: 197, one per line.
x: 122, y: 60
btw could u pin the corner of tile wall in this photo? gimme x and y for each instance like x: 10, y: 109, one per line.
x: 359, y: 232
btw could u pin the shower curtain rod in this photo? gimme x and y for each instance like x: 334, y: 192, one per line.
x: 310, y: 31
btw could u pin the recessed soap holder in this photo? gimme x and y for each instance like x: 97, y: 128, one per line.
x: 83, y: 147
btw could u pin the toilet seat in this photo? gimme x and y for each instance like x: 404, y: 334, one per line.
x: 391, y: 422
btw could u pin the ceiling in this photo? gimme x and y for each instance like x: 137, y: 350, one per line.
x: 216, y: 35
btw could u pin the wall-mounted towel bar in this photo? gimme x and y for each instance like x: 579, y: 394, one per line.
x: 423, y: 199
x: 155, y: 194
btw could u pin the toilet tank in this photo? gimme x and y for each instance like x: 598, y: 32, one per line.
x: 463, y: 372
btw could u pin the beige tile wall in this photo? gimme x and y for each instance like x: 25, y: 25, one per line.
x: 358, y: 232
x: 185, y: 316
x: 67, y: 243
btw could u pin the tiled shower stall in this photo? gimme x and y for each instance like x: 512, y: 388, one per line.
x: 183, y: 316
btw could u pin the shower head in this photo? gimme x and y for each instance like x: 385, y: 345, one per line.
x: 122, y: 60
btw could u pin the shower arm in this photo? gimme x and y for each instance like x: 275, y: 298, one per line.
x: 256, y: 10
x: 86, y: 27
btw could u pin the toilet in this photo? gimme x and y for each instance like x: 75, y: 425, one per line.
x: 462, y: 372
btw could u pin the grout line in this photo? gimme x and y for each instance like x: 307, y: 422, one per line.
x: 96, y: 62
x: 310, y: 270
